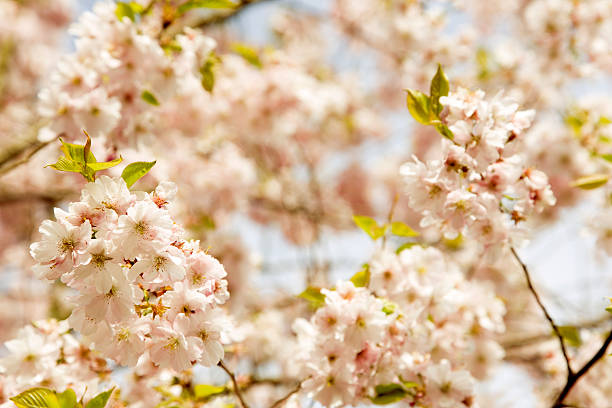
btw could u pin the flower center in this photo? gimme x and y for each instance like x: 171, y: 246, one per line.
x: 141, y: 227
x: 67, y: 245
x: 172, y: 344
x: 99, y: 259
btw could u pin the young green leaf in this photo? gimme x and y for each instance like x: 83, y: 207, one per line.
x: 444, y: 131
x: 211, y: 4
x: 571, y: 334
x: 67, y: 399
x: 314, y: 297
x: 250, y: 54
x: 149, y: 98
x: 207, y: 70
x: 419, y: 106
x: 603, y: 120
x: 607, y: 157
x: 388, y: 394
x: 135, y: 171
x: 590, y: 182
x: 402, y: 230
x: 65, y: 164
x: 439, y: 87
x: 100, y: 400
x: 362, y: 278
x: 204, y: 390
x: 454, y: 243
x: 407, y: 245
x: 370, y: 226
x: 483, y: 63
x: 389, y: 307
x: 129, y: 10
x: 77, y: 152
x: 36, y: 398
x: 104, y: 165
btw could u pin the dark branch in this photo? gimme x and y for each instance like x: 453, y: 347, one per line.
x: 555, y: 328
x: 224, y: 14
x: 282, y: 401
x: 573, y: 379
x: 232, y: 377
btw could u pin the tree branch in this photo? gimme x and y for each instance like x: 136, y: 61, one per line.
x: 21, y: 151
x: 555, y: 328
x: 513, y: 343
x: 574, y: 377
x: 223, y: 14
x: 282, y: 401
x: 232, y: 377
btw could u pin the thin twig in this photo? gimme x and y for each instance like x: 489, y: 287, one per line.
x: 555, y: 328
x: 211, y: 18
x: 232, y: 377
x: 224, y: 14
x: 20, y: 152
x: 7, y: 198
x: 282, y: 401
x: 573, y: 379
x: 600, y: 323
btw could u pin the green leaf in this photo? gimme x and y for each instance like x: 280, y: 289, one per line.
x: 388, y: 394
x: 407, y: 245
x: 172, y: 46
x: 104, y: 165
x: 482, y: 61
x: 207, y: 70
x: 129, y: 10
x: 314, y: 297
x: 590, y: 182
x: 135, y: 171
x: 362, y: 278
x: 67, y: 399
x: 211, y: 4
x: 389, y: 307
x: 65, y: 164
x: 576, y: 120
x: 36, y: 398
x: 603, y: 120
x: 250, y: 54
x: 76, y: 152
x: 607, y: 157
x: 454, y: 243
x: 149, y: 98
x: 74, y: 160
x: 100, y: 400
x: 205, y: 390
x: 444, y: 131
x: 400, y: 229
x: 206, y: 222
x: 408, y: 384
x: 570, y: 334
x: 439, y: 87
x: 419, y: 106
x: 370, y: 226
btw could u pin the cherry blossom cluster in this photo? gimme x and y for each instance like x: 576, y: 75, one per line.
x: 480, y: 185
x: 144, y: 293
x: 45, y: 353
x: 29, y: 48
x: 419, y: 323
x: 105, y: 88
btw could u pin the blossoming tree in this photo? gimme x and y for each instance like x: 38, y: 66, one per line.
x: 135, y: 165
